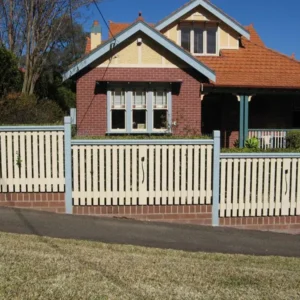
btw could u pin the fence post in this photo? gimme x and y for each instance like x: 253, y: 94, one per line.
x: 68, y: 166
x: 216, y: 179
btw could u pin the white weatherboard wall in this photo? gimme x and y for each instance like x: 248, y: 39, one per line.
x: 32, y: 159
x: 259, y: 185
x: 154, y: 172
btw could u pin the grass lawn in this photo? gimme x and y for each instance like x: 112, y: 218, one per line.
x: 34, y: 267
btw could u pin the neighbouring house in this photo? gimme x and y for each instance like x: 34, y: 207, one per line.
x: 195, y: 71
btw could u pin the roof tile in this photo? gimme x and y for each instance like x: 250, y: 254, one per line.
x: 254, y: 65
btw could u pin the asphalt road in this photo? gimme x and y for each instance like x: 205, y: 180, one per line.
x: 158, y: 235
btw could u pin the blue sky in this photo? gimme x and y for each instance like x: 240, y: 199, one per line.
x: 277, y: 22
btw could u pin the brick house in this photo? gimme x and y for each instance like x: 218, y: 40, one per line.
x: 196, y: 71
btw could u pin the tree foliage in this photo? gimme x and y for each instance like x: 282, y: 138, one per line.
x: 11, y: 77
x: 33, y: 28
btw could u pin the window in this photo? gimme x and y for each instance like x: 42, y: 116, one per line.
x: 139, y: 110
x: 199, y: 39
x: 160, y: 110
x: 118, y: 112
x: 186, y: 38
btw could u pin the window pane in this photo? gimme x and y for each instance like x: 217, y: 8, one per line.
x: 186, y: 38
x: 139, y: 119
x: 160, y: 99
x: 160, y: 119
x: 118, y: 119
x: 118, y: 98
x: 198, y: 46
x: 211, y: 40
x: 139, y: 98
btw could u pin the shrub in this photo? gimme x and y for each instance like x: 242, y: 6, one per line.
x: 252, y: 143
x: 65, y: 98
x: 293, y: 139
x: 20, y: 109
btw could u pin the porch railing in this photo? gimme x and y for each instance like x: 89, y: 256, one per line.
x: 270, y: 138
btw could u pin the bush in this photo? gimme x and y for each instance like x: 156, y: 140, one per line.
x: 65, y: 98
x: 252, y: 143
x: 20, y: 109
x: 293, y: 139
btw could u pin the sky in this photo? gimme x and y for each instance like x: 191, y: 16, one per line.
x: 277, y: 22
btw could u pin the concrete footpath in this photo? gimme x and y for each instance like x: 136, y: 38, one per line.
x: 158, y: 235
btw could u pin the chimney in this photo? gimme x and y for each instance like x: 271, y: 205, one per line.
x: 96, y: 35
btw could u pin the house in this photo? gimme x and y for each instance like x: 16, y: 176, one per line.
x: 195, y: 71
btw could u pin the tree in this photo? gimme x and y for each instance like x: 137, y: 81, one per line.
x: 36, y: 32
x: 11, y: 77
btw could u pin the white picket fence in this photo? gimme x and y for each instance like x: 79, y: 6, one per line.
x: 155, y: 172
x: 269, y: 139
x: 148, y: 172
x: 32, y: 159
x: 259, y: 185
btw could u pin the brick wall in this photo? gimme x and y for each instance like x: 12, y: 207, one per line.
x: 91, y: 107
x: 53, y: 202
x: 192, y: 214
x: 263, y: 223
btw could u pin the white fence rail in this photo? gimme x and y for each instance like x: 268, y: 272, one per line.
x: 269, y: 138
x: 32, y: 159
x: 152, y: 172
x: 259, y: 185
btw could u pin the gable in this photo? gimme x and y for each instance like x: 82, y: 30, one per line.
x: 212, y: 12
x: 148, y: 54
x: 125, y: 36
x: 227, y: 37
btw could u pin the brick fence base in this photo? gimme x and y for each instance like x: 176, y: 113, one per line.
x: 53, y: 202
x: 263, y: 223
x: 193, y: 214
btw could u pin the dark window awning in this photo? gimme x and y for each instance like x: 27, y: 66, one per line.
x: 102, y: 85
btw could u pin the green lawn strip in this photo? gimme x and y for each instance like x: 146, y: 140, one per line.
x: 33, y: 267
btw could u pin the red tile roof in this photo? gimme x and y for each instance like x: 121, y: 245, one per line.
x: 254, y: 37
x: 115, y: 28
x: 254, y: 65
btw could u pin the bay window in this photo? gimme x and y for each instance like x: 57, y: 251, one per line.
x: 199, y: 39
x: 139, y: 110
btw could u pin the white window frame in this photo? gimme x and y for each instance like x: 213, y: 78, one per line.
x: 149, y: 112
x: 192, y: 39
x: 139, y: 108
x: 161, y: 108
x: 111, y: 109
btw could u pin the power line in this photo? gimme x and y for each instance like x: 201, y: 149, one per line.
x: 104, y: 19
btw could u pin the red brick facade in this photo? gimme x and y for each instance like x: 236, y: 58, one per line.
x: 91, y: 106
x: 53, y: 202
x: 192, y: 214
